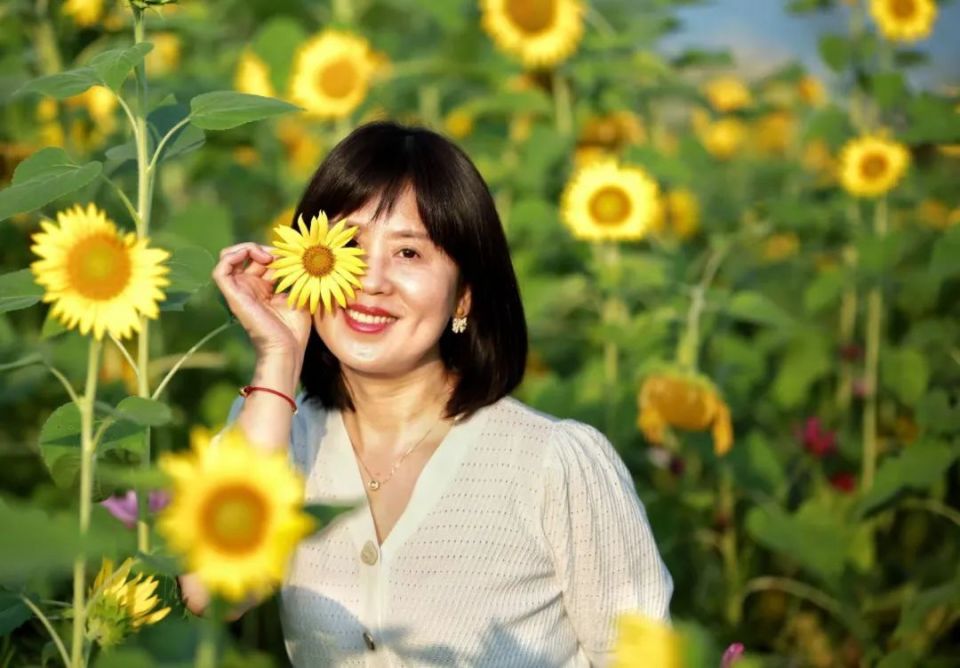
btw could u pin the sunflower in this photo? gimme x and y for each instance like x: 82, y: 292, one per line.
x: 904, y: 20
x: 459, y: 123
x: 253, y: 76
x: 727, y: 93
x: 316, y: 262
x: 643, y: 641
x: 165, y: 56
x: 85, y: 13
x: 541, y: 33
x: 331, y: 74
x: 774, y: 132
x: 721, y: 138
x: 604, y: 200
x: 871, y: 165
x: 236, y: 531
x: 120, y: 603
x: 779, y: 247
x: 678, y: 217
x: 811, y: 90
x: 97, y: 276
x: 676, y: 399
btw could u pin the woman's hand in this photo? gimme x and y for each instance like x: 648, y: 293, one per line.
x: 275, y: 328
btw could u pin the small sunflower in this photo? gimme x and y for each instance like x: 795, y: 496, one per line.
x: 604, y: 200
x: 85, y: 13
x: 904, y: 20
x: 779, y: 247
x: 331, y: 74
x: 97, y: 276
x: 316, y: 262
x: 164, y: 59
x: 678, y: 216
x: 727, y: 94
x: 871, y: 165
x: 541, y: 33
x: 721, y: 138
x: 672, y: 399
x: 253, y: 76
x: 643, y: 641
x: 120, y: 604
x: 811, y: 90
x: 774, y: 132
x: 235, y: 530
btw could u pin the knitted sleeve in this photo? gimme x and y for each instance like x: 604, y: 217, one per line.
x: 604, y: 551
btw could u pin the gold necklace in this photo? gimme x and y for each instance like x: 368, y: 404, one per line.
x: 375, y: 484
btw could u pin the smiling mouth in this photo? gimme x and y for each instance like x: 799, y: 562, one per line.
x: 369, y: 319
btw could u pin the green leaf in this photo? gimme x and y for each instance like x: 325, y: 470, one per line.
x: 905, y: 372
x: 877, y: 256
x: 507, y: 103
x: 112, y: 67
x: 836, y: 51
x: 807, y: 359
x: 190, y: 268
x: 757, y: 307
x: 62, y: 84
x: 207, y: 225
x: 18, y: 290
x: 52, y: 327
x: 703, y: 58
x: 943, y: 265
x: 143, y: 411
x: 938, y: 413
x: 45, y: 176
x: 13, y: 612
x: 824, y: 291
x: 324, y: 515
x: 818, y: 542
x: 931, y: 120
x: 222, y: 110
x: 60, y: 445
x: 755, y: 465
x: 916, y: 468
x: 34, y: 544
x: 276, y: 43
x: 889, y: 88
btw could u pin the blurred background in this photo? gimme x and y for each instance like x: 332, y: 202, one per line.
x: 774, y: 353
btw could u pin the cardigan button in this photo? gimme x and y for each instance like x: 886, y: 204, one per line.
x: 368, y: 641
x: 369, y: 554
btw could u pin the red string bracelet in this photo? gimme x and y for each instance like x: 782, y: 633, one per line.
x: 247, y: 389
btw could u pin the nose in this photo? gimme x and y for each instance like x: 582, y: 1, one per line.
x: 375, y: 279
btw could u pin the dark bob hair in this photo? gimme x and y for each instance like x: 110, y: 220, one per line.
x: 380, y: 160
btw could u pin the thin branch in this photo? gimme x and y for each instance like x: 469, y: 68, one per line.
x: 186, y: 356
x: 933, y: 506
x: 53, y: 634
x: 106, y: 424
x: 126, y: 355
x: 63, y: 381
x: 126, y: 201
x: 130, y: 116
x: 166, y: 138
x: 801, y: 590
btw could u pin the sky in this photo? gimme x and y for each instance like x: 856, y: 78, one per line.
x: 763, y: 35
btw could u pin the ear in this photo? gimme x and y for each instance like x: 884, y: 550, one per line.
x: 463, y: 304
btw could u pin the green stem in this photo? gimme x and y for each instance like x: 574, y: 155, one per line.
x: 871, y: 379
x: 806, y: 592
x: 47, y: 625
x: 688, y: 346
x: 166, y: 138
x: 429, y: 99
x: 933, y: 506
x: 86, y: 501
x: 728, y: 546
x: 63, y: 381
x: 126, y: 355
x: 187, y: 355
x: 343, y: 12
x: 206, y: 656
x: 847, y: 329
x: 45, y: 41
x: 562, y: 103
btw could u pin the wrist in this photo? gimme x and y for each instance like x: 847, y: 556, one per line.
x: 278, y: 372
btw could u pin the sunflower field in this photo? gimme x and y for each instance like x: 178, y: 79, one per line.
x: 750, y: 285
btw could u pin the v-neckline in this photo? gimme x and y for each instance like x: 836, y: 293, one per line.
x: 435, y: 477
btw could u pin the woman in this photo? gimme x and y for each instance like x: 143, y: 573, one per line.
x: 488, y: 534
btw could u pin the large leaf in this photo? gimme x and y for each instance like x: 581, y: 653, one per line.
x: 932, y: 120
x: 917, y: 468
x: 62, y: 84
x: 190, y: 269
x: 18, y: 290
x: 45, y: 176
x: 275, y: 43
x: 807, y: 359
x: 145, y: 412
x: 222, y: 110
x: 205, y: 224
x: 33, y: 543
x: 905, y: 372
x: 836, y: 51
x: 757, y: 307
x: 112, y: 67
x: 818, y: 543
x: 13, y: 612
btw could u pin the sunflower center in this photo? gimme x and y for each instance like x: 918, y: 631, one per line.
x: 903, y: 9
x: 531, y: 16
x: 99, y: 267
x: 338, y: 78
x: 610, y: 206
x: 234, y: 519
x: 873, y: 166
x: 318, y: 261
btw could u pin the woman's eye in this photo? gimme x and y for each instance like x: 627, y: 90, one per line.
x: 409, y: 253
x: 353, y: 243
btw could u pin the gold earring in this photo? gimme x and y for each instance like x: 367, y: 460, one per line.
x: 459, y: 324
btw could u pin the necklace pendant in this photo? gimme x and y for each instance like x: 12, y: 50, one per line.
x: 374, y: 485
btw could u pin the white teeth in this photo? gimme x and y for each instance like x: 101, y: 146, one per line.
x: 370, y: 319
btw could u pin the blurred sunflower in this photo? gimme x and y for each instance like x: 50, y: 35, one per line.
x: 97, y: 276
x: 120, y: 604
x: 331, y: 74
x: 301, y: 147
x: 727, y: 93
x: 774, y: 132
x: 936, y: 215
x: 643, y: 641
x: 819, y: 160
x: 101, y: 104
x: 779, y: 247
x: 604, y: 200
x: 541, y: 33
x: 904, y: 20
x: 678, y: 217
x: 252, y: 76
x: 236, y: 531
x: 872, y: 165
x: 316, y: 262
x: 722, y: 138
x: 675, y: 399
x: 50, y: 132
x: 458, y: 123
x: 165, y: 56
x: 811, y: 90
x: 85, y: 13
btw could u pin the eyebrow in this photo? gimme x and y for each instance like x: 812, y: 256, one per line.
x: 407, y: 234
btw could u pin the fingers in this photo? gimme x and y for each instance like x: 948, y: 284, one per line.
x: 246, y: 244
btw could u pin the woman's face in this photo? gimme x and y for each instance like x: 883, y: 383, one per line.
x: 410, y: 279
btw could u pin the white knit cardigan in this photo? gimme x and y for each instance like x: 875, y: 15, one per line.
x: 522, y: 540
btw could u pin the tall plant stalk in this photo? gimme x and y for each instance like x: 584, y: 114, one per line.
x: 871, y: 379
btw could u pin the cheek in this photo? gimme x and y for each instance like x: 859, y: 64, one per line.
x: 427, y: 295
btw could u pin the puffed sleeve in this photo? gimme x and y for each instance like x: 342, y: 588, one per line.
x: 604, y: 551
x: 301, y: 454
